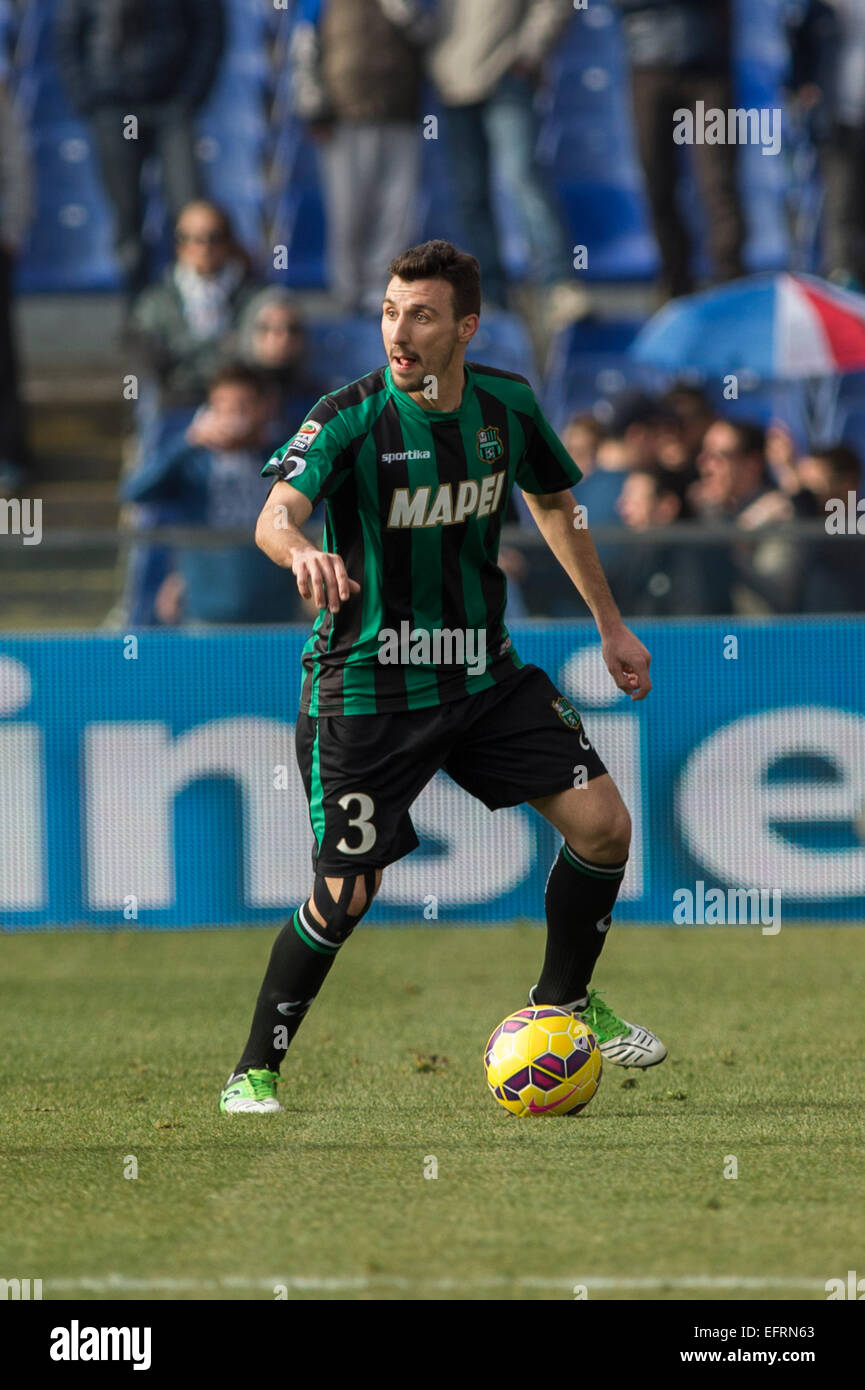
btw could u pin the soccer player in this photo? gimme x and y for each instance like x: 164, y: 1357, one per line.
x: 416, y: 462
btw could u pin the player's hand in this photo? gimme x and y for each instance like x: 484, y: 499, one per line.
x: 627, y: 661
x: 322, y: 578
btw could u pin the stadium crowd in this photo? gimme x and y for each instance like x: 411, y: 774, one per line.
x: 221, y: 350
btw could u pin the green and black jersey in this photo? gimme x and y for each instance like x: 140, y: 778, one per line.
x: 414, y: 505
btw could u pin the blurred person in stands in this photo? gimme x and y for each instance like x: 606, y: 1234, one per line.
x: 272, y: 337
x: 826, y: 82
x: 692, y: 411
x: 154, y: 60
x: 213, y: 477
x: 663, y: 578
x: 357, y: 68
x: 732, y: 469
x: 16, y: 211
x: 680, y: 53
x: 487, y: 63
x: 181, y: 330
x: 735, y: 485
x: 183, y: 325
x: 833, y: 573
x: 582, y: 436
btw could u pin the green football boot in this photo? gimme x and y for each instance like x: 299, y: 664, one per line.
x: 626, y: 1044
x: 250, y: 1092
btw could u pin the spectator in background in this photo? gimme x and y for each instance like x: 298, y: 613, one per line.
x: 16, y: 211
x: 183, y: 325
x: 690, y: 408
x: 732, y: 469
x: 581, y: 437
x: 735, y: 486
x: 631, y: 420
x: 487, y: 63
x: 272, y: 337
x: 356, y: 79
x: 827, y: 84
x: 154, y: 60
x: 663, y: 578
x: 832, y: 575
x: 680, y: 53
x: 181, y: 329
x: 212, y: 475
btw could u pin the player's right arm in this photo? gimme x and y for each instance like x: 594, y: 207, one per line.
x: 278, y: 533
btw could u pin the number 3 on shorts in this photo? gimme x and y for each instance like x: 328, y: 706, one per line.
x: 363, y: 821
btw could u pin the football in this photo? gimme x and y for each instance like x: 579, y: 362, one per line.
x: 543, y: 1061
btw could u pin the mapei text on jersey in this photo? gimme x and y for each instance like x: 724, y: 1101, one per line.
x: 416, y: 509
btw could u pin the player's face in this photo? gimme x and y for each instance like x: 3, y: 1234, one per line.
x: 421, y: 335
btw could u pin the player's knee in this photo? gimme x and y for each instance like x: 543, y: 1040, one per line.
x: 617, y: 832
x: 609, y: 838
x: 338, y: 904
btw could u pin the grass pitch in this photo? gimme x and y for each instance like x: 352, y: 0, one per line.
x: 117, y: 1045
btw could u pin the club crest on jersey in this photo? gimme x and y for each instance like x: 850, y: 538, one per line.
x: 566, y: 712
x: 490, y: 446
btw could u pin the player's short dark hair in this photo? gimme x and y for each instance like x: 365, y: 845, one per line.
x: 240, y: 374
x: 439, y: 260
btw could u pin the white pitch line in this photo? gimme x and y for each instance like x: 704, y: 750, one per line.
x: 325, y: 1284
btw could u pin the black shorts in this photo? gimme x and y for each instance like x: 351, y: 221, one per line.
x: 512, y: 743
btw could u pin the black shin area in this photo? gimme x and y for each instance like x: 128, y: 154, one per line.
x: 302, y: 955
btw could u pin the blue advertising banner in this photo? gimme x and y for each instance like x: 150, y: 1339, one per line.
x: 149, y: 780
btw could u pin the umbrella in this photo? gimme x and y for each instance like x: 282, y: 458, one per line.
x: 779, y: 327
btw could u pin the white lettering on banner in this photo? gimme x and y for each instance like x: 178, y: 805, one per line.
x: 22, y: 866
x: 135, y: 770
x: 22, y: 870
x: 728, y: 812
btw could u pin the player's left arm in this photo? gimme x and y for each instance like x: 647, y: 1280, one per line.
x: 626, y: 658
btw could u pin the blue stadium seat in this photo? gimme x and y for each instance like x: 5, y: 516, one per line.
x: 502, y: 341
x: 344, y: 349
x: 611, y: 221
x: 585, y: 382
x: 590, y: 360
x: 70, y: 246
x: 298, y: 224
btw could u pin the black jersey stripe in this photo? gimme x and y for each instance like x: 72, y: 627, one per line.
x: 344, y: 626
x: 493, y: 581
x: 390, y: 681
x: 451, y: 461
x: 481, y: 370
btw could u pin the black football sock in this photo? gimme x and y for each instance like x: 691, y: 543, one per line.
x: 295, y: 974
x: 579, y: 900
